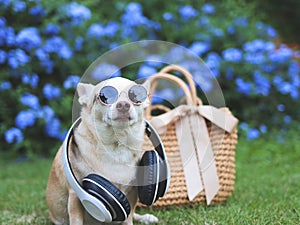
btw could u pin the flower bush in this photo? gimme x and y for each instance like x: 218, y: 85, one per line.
x: 46, y: 46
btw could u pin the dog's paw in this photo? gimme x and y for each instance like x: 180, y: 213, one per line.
x: 146, y: 219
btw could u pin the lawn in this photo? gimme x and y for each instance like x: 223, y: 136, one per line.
x: 267, y: 189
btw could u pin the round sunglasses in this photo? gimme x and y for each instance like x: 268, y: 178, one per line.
x: 108, y: 95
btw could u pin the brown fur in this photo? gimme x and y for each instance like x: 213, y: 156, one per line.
x: 101, y: 145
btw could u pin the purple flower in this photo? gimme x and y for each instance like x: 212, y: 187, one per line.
x: 13, y: 135
x: 30, y: 100
x: 51, y: 91
x: 25, y: 119
x: 232, y: 55
x: 28, y: 38
x: 71, y: 82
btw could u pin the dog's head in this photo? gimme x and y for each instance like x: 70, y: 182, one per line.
x: 118, y: 102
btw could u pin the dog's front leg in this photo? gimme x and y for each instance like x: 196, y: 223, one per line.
x: 75, y: 209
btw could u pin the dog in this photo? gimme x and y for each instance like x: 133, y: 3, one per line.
x: 108, y: 141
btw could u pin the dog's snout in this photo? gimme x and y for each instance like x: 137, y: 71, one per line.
x: 123, y: 106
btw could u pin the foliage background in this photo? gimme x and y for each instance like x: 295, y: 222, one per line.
x: 45, y: 47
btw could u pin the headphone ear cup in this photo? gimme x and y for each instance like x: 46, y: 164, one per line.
x: 148, y: 177
x: 115, y: 201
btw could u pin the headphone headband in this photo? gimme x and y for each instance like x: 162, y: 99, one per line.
x: 95, y: 207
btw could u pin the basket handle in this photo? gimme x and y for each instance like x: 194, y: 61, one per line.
x: 153, y: 81
x: 188, y: 77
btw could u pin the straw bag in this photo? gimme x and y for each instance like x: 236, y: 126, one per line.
x: 200, y: 146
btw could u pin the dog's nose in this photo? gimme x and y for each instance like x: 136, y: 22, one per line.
x: 123, y: 106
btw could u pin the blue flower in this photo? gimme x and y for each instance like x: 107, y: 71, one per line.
x: 9, y: 35
x: 187, y: 12
x: 71, y: 81
x: 208, y: 8
x: 243, y: 86
x: 37, y: 11
x: 59, y: 46
x: 166, y: 94
x: 263, y: 128
x: 30, y: 100
x: 244, y: 126
x: 5, y: 85
x: 281, y: 55
x: 133, y: 15
x: 51, y: 91
x: 213, y: 63
x: 154, y: 61
x: 25, y: 119
x: 104, y: 71
x: 19, y: 6
x: 271, y: 32
x: 95, y: 30
x: 241, y: 21
x: 5, y: 3
x: 28, y: 38
x: 232, y: 55
x: 47, y: 113
x: 255, y: 58
x: 146, y: 71
x: 78, y: 43
x: 42, y: 54
x: 3, y: 56
x: 78, y: 13
x: 287, y: 119
x: 253, y: 134
x: 111, y: 28
x: 53, y: 129
x: 52, y: 29
x: 199, y: 48
x: 263, y: 85
x: 168, y: 16
x: 17, y: 58
x: 2, y: 22
x: 32, y: 80
x: 258, y: 45
x: 13, y: 135
x: 281, y: 107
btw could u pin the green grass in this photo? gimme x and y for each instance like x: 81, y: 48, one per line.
x: 267, y: 190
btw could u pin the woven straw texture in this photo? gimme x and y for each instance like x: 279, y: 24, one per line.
x: 223, y: 145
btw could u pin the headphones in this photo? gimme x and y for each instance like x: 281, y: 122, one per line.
x: 103, y: 200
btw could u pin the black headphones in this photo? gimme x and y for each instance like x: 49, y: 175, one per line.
x: 103, y: 200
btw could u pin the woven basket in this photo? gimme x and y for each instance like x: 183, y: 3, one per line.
x: 223, y: 145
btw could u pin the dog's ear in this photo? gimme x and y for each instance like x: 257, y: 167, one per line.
x: 84, y: 91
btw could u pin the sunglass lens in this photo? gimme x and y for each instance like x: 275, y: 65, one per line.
x: 108, y: 95
x: 137, y: 94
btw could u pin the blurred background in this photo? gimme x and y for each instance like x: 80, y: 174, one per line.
x: 251, y: 47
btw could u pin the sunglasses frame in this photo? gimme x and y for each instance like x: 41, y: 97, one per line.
x: 119, y: 93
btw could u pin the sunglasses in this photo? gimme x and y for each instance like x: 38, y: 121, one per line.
x: 108, y: 95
